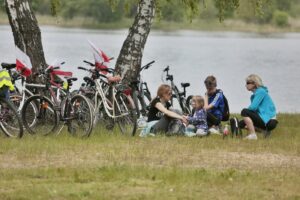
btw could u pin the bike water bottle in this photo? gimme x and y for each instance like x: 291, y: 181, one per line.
x: 226, y: 130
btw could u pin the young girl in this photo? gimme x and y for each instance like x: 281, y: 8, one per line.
x: 197, y: 121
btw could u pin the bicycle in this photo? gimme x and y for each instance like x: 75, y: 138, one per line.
x: 10, y: 120
x: 140, y: 93
x: 180, y: 96
x: 74, y: 111
x: 111, y: 100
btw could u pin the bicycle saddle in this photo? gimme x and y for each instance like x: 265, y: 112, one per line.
x: 89, y: 81
x: 185, y: 84
x: 8, y: 66
x: 114, y: 79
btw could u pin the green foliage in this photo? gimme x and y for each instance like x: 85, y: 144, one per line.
x: 55, y: 6
x: 170, y: 11
x: 44, y: 7
x: 295, y: 9
x: 105, y: 11
x: 226, y: 8
x: 281, y: 18
x: 99, y: 10
x: 2, y: 7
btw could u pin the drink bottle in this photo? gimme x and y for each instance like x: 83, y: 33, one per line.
x: 226, y: 130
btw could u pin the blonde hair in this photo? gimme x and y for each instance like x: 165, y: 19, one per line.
x: 255, y: 79
x: 163, y: 89
x: 199, y: 100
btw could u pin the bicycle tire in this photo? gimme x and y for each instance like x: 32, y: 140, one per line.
x: 137, y: 102
x: 47, y: 118
x: 10, y: 120
x: 148, y: 99
x: 185, y: 109
x: 16, y: 100
x: 145, y: 102
x: 128, y: 122
x: 81, y: 116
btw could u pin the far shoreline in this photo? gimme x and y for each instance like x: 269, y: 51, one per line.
x: 228, y: 25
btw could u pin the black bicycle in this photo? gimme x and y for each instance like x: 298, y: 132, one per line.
x: 180, y: 96
x: 74, y: 111
x: 140, y: 93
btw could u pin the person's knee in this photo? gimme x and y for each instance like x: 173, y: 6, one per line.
x: 244, y: 112
x: 242, y: 124
x: 271, y: 124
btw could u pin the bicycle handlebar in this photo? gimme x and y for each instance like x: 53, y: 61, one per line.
x: 87, y: 62
x: 147, y: 65
x: 167, y: 69
x: 82, y: 68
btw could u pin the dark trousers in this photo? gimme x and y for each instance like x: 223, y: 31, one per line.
x: 212, y: 120
x: 257, y: 121
x: 163, y: 124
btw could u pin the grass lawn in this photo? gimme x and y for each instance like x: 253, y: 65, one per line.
x: 112, y: 166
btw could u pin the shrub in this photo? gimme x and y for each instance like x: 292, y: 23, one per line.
x: 281, y: 18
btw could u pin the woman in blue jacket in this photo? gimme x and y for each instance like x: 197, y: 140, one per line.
x: 261, y: 109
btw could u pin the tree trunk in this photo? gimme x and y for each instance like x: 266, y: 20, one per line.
x: 27, y: 34
x: 130, y: 57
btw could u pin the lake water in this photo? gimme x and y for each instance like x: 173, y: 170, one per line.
x: 192, y: 56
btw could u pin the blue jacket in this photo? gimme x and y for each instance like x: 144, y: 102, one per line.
x: 217, y: 100
x: 262, y: 103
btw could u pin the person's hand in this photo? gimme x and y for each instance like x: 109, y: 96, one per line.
x: 184, y: 116
x: 184, y: 120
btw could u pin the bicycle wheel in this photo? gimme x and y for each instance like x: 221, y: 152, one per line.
x: 137, y: 103
x: 10, y: 120
x: 147, y: 100
x: 47, y: 119
x: 185, y: 109
x: 128, y: 115
x: 17, y: 99
x: 80, y: 114
x: 188, y: 102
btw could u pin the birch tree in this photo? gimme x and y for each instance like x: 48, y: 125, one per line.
x: 26, y: 32
x: 130, y: 57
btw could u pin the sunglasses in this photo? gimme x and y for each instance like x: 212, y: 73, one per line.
x: 249, y: 82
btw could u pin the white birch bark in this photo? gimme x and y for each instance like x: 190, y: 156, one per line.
x: 26, y: 32
x: 130, y: 57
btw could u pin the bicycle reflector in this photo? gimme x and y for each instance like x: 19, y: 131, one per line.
x: 45, y: 105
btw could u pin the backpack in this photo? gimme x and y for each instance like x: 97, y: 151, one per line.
x: 226, y: 113
x: 235, y: 127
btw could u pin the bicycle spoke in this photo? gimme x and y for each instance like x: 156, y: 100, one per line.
x: 10, y: 121
x: 81, y: 115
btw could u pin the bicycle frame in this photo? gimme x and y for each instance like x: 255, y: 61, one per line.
x: 25, y: 90
x: 180, y: 96
x: 109, y: 109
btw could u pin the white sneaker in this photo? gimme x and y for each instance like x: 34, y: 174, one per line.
x: 251, y: 136
x: 214, y: 131
x: 190, y: 134
x: 201, y: 132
